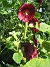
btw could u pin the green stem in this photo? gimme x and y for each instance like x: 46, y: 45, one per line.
x: 26, y: 26
x: 2, y: 49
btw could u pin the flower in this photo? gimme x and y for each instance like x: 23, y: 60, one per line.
x: 34, y: 30
x: 26, y: 12
x: 35, y: 54
x: 33, y: 21
x: 29, y: 51
x: 39, y: 1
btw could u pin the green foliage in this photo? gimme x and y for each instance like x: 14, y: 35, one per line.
x: 17, y: 57
x: 38, y: 63
x: 44, y: 27
x: 37, y: 15
x: 46, y: 45
x: 40, y: 40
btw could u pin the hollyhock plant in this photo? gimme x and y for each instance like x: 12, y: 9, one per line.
x: 39, y: 1
x: 29, y: 51
x: 26, y: 12
x: 33, y: 21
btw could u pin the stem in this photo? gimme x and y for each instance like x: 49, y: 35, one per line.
x: 26, y: 26
x: 2, y: 49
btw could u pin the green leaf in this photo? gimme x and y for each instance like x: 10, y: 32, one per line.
x: 38, y: 63
x: 7, y: 4
x: 4, y: 12
x: 17, y: 57
x: 44, y: 27
x: 37, y: 15
x: 46, y: 45
x: 8, y: 39
x: 18, y: 33
x: 40, y: 40
x: 10, y: 45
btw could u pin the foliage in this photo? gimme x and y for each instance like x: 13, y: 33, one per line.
x: 38, y: 63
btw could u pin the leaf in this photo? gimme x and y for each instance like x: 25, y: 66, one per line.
x: 46, y: 45
x: 44, y: 27
x: 7, y: 4
x: 37, y: 15
x: 18, y: 33
x: 17, y: 57
x: 16, y: 43
x: 38, y: 63
x: 40, y: 40
x: 10, y: 45
x: 8, y: 39
x: 4, y: 12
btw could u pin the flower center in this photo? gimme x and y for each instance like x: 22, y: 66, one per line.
x: 26, y: 13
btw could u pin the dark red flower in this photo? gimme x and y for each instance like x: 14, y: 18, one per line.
x: 35, y: 54
x: 33, y: 21
x: 34, y: 30
x: 39, y: 1
x: 26, y: 12
x: 29, y: 51
x: 35, y: 40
